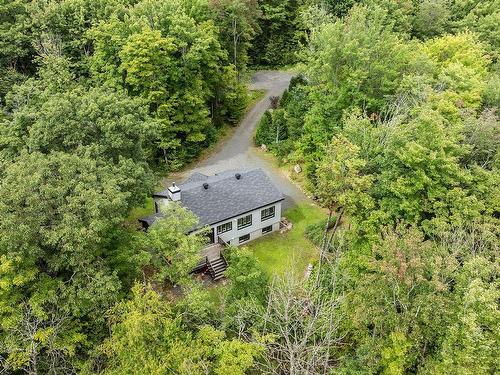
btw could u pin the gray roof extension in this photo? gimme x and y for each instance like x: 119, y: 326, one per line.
x: 226, y: 196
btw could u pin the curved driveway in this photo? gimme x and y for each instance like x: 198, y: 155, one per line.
x: 239, y: 151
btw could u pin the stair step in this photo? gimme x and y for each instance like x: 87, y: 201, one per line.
x: 216, y: 263
x: 217, y: 267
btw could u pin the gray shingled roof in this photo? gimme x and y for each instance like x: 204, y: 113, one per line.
x: 226, y: 196
x: 195, y: 177
x: 151, y: 218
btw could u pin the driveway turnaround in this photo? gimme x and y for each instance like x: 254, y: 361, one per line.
x: 239, y: 151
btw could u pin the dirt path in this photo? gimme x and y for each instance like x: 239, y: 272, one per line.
x: 239, y: 151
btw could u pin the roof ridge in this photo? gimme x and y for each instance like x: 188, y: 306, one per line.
x: 218, y: 177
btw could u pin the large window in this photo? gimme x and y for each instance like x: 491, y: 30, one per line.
x: 244, y: 238
x: 244, y: 221
x: 267, y: 229
x: 267, y: 213
x: 226, y: 227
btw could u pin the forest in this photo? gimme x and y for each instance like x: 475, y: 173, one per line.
x: 393, y: 114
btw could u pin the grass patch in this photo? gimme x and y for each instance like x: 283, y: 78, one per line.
x: 278, y: 253
x: 216, y: 293
x: 146, y: 209
x: 137, y: 212
x: 253, y: 97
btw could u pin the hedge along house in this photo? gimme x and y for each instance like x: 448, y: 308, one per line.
x: 237, y: 206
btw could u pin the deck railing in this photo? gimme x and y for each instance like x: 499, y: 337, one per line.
x: 224, y: 245
x: 222, y: 242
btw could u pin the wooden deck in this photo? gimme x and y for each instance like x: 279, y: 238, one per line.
x: 212, y: 251
x: 213, y: 261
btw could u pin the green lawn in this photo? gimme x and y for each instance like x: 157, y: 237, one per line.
x: 278, y: 253
x: 138, y: 212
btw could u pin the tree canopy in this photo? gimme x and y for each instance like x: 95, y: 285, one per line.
x: 393, y: 117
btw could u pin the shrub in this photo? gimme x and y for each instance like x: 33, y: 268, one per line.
x: 264, y: 135
x: 314, y: 232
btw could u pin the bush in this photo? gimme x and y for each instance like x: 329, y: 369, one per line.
x: 314, y: 232
x: 248, y: 280
x: 264, y: 135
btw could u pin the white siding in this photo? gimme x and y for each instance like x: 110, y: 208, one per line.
x: 255, y: 230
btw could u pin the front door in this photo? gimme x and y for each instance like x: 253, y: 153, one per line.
x: 211, y: 236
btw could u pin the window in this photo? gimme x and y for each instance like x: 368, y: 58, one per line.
x: 244, y: 221
x: 226, y: 227
x: 267, y: 229
x: 267, y: 213
x: 244, y: 238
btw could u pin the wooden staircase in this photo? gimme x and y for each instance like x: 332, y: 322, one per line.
x: 216, y: 267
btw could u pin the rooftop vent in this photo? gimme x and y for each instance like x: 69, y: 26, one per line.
x: 205, y: 185
x: 238, y: 176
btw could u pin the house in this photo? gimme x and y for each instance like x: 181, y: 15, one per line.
x: 237, y: 206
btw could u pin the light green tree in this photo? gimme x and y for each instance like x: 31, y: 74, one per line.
x: 147, y: 336
x: 341, y: 187
x: 174, y: 252
x: 60, y: 215
x: 460, y: 68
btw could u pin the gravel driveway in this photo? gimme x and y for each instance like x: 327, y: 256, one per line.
x: 239, y: 151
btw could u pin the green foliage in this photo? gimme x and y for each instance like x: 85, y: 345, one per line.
x: 432, y: 17
x: 179, y: 63
x: 108, y: 124
x: 174, y: 253
x: 401, y: 134
x: 264, y: 133
x: 392, y: 300
x: 481, y: 17
x: 469, y: 345
x: 248, y: 281
x: 355, y: 58
x: 180, y: 68
x: 482, y: 133
x: 147, y: 336
x: 280, y: 33
x: 16, y: 50
x: 238, y: 20
x: 62, y: 26
x: 460, y: 66
x: 492, y: 89
x: 315, y: 231
x: 338, y: 8
x: 272, y: 131
x: 8, y: 78
x: 197, y: 308
x: 340, y: 182
x: 55, y: 252
x: 394, y: 121
x: 394, y: 355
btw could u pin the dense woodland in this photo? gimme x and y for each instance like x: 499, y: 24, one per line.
x: 393, y: 117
